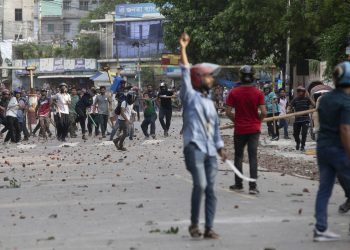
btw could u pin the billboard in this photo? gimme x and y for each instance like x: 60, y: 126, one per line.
x: 137, y: 10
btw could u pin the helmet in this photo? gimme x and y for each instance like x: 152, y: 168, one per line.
x: 17, y: 91
x: 198, y: 70
x: 63, y: 84
x: 267, y: 86
x: 130, y: 97
x: 246, y: 74
x: 341, y: 74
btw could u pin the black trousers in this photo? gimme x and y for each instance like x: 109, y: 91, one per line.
x: 92, y: 118
x: 303, y: 128
x: 82, y: 119
x: 273, y: 129
x: 167, y: 113
x: 14, y: 132
x: 62, y: 125
x: 103, y: 120
x: 240, y: 141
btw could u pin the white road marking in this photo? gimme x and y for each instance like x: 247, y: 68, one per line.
x: 30, y: 146
x: 74, y: 144
x: 106, y: 143
x: 147, y: 142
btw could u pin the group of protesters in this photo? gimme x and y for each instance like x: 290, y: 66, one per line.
x: 93, y: 109
x: 247, y: 107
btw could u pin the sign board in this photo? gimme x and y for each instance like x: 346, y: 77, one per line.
x: 347, y: 50
x: 170, y: 59
x: 136, y: 10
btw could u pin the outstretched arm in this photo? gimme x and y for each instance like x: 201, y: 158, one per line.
x: 184, y: 41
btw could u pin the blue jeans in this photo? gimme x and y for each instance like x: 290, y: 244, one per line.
x: 203, y: 169
x: 332, y: 161
x: 284, y: 124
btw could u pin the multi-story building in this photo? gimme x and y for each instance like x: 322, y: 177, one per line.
x: 16, y: 17
x: 58, y: 20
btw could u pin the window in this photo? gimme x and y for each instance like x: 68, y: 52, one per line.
x: 50, y: 27
x: 94, y: 1
x: 66, y: 27
x: 83, y: 5
x: 67, y: 5
x: 18, y: 14
x: 18, y: 37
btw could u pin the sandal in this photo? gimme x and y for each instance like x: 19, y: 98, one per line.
x: 194, y: 231
x: 211, y: 235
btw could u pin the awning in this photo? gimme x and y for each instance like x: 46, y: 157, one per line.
x: 64, y: 76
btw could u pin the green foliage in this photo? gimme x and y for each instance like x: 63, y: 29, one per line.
x: 88, y: 47
x: 250, y: 31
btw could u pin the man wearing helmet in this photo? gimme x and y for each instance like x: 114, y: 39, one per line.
x: 202, y: 140
x: 333, y: 146
x: 165, y: 107
x: 247, y: 101
x: 62, y: 100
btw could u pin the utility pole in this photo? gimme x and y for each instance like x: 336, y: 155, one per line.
x: 39, y: 22
x: 287, y: 76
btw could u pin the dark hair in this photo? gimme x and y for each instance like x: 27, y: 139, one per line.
x: 102, y: 87
x: 281, y: 89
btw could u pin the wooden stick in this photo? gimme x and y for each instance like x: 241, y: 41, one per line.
x: 276, y: 117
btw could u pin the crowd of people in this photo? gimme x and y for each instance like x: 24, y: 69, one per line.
x: 93, y: 109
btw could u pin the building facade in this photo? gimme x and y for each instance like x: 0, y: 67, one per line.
x: 58, y: 20
x: 17, y: 20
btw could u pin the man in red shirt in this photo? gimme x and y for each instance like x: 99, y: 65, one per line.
x: 247, y: 101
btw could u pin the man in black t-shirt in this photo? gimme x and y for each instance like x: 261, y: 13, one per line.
x: 165, y: 107
x: 300, y: 103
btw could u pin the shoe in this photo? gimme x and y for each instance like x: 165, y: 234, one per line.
x: 276, y: 138
x: 253, y: 191
x: 73, y: 136
x: 115, y: 141
x: 194, y: 231
x: 121, y: 148
x: 210, y: 235
x: 146, y: 137
x: 153, y: 137
x: 25, y: 139
x: 297, y: 147
x: 84, y: 137
x: 236, y: 188
x: 130, y: 138
x: 90, y: 134
x: 166, y: 134
x: 287, y: 138
x: 302, y: 149
x: 325, y: 236
x: 50, y: 135
x: 345, y: 207
x: 103, y: 136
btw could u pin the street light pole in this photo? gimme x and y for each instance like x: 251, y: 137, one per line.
x: 139, y: 65
x: 287, y: 76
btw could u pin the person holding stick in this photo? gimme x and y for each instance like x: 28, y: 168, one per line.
x: 248, y: 103
x: 333, y: 147
x: 202, y: 140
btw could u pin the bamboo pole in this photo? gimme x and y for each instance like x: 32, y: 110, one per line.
x: 276, y: 117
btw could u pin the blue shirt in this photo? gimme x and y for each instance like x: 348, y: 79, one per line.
x: 271, y: 108
x: 333, y: 111
x: 200, y: 119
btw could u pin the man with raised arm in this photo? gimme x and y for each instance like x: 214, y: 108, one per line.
x: 202, y: 140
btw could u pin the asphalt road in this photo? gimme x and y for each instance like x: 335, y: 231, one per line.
x: 87, y: 195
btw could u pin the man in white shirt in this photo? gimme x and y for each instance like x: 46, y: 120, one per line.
x: 124, y: 121
x: 283, y: 104
x: 12, y: 121
x: 61, y: 101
